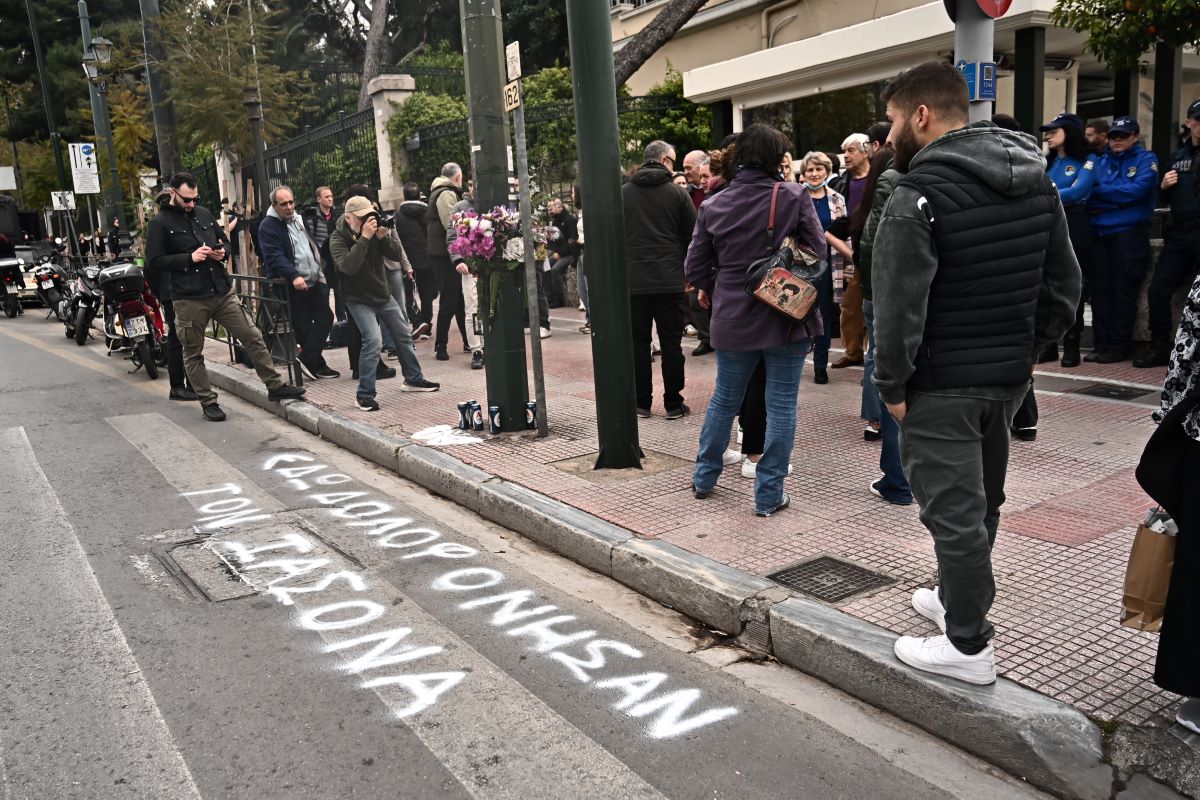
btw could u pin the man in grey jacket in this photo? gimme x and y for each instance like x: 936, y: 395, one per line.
x: 972, y: 272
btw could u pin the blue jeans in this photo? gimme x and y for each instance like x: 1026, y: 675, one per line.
x: 396, y: 286
x: 784, y: 365
x: 869, y: 408
x: 367, y: 318
x: 893, y: 485
x: 582, y: 287
x: 826, y: 307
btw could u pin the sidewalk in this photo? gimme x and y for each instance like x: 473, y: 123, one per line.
x: 1072, y: 508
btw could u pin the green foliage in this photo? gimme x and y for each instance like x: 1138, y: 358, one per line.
x: 822, y: 121
x: 686, y: 125
x: 1120, y: 31
x: 213, y: 52
x: 422, y: 110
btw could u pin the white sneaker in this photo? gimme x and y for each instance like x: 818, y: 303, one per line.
x: 581, y: 306
x: 1189, y: 714
x: 731, y: 457
x: 545, y: 333
x: 927, y: 603
x: 938, y: 656
x: 690, y: 330
x: 750, y: 468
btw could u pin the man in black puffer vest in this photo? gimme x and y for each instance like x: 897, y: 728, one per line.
x: 973, y: 273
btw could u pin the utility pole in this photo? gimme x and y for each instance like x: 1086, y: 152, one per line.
x: 161, y: 106
x: 54, y: 138
x: 253, y: 105
x: 113, y: 200
x: 590, y: 34
x: 974, y: 34
x: 483, y: 52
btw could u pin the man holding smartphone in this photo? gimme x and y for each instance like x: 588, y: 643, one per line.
x: 185, y: 243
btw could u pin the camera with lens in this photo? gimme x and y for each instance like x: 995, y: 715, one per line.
x: 384, y: 220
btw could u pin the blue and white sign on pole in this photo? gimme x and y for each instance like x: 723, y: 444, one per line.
x: 85, y: 171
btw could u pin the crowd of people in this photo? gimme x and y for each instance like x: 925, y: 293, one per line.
x: 959, y: 257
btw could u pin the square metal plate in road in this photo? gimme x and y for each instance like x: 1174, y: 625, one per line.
x: 1114, y: 391
x: 829, y: 579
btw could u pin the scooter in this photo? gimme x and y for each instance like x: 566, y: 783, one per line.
x: 13, y: 281
x: 85, y: 302
x: 50, y: 286
x: 132, y: 318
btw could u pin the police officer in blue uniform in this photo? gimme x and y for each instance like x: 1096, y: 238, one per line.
x: 1072, y: 167
x: 1181, y: 243
x: 1120, y: 209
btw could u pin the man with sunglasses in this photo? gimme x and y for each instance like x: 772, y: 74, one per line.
x: 185, y: 253
x: 1120, y: 209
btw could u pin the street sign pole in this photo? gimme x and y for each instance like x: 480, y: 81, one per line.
x: 974, y: 32
x: 504, y: 364
x: 589, y: 31
x: 521, y: 156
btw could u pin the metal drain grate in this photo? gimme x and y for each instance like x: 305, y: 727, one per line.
x: 1112, y: 391
x: 829, y: 579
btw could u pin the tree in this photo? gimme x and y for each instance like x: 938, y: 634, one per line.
x: 649, y: 39
x: 1120, y: 31
x: 376, y: 50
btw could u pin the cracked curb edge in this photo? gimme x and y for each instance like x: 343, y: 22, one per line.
x: 1051, y: 744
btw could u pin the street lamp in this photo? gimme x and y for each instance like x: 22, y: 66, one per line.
x: 97, y: 52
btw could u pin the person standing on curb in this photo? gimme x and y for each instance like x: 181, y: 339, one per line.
x: 359, y: 246
x: 186, y: 242
x: 445, y: 192
x: 1121, y: 207
x: 1181, y: 243
x: 290, y: 253
x: 160, y: 286
x: 659, y: 217
x: 957, y: 334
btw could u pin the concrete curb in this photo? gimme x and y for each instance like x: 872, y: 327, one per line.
x: 1044, y: 741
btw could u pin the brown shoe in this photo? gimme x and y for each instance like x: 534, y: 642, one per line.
x: 844, y: 362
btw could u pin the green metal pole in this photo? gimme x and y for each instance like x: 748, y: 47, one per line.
x: 1029, y: 86
x: 1168, y: 77
x: 483, y: 51
x: 590, y: 33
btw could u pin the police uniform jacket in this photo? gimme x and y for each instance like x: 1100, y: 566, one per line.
x: 1074, y: 178
x: 1124, y: 192
x: 1185, y: 195
x: 171, y: 238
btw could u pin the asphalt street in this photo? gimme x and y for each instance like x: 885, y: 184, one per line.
x: 240, y: 610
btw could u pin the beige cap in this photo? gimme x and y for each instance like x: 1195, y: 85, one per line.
x: 359, y: 206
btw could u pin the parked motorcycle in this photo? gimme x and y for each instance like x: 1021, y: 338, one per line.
x: 13, y: 281
x: 132, y: 318
x: 85, y: 302
x: 51, y: 287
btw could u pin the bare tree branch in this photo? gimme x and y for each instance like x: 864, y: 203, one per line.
x: 649, y: 39
x: 431, y: 12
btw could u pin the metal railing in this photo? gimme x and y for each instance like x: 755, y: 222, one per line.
x: 268, y: 302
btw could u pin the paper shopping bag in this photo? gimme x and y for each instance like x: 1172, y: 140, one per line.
x: 1147, y: 578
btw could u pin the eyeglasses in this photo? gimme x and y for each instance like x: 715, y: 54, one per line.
x: 185, y: 199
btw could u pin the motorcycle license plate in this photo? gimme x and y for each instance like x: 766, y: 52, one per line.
x: 136, y: 326
x: 8, y: 287
x: 47, y: 284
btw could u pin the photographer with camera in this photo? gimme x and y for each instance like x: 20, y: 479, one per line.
x: 359, y: 246
x: 290, y: 253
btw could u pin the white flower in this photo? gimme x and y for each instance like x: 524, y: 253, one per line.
x: 514, y: 249
x: 485, y: 224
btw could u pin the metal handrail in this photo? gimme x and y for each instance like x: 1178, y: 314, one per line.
x: 269, y: 304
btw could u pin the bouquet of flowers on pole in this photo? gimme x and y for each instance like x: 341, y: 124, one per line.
x: 491, y: 243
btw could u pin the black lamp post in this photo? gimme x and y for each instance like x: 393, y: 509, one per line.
x: 97, y: 53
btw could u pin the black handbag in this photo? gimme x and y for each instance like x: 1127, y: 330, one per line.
x: 1160, y: 470
x: 787, y: 279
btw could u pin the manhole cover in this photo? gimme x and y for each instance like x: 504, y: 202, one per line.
x: 829, y: 579
x: 1112, y: 391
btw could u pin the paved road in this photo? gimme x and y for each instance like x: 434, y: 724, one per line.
x: 191, y: 610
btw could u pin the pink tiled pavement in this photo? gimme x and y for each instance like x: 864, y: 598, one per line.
x: 1059, y: 560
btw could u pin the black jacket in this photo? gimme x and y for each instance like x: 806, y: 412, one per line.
x: 568, y: 228
x: 411, y: 228
x: 171, y: 238
x: 659, y: 217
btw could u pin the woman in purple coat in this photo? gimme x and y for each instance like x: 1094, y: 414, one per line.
x: 730, y: 233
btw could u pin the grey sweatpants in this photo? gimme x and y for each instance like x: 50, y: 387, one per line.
x: 955, y: 455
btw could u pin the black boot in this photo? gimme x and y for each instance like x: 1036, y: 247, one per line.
x: 1049, y: 353
x: 1071, y: 351
x: 439, y: 352
x: 1158, y: 354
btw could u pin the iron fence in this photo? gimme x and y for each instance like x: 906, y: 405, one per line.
x: 268, y: 302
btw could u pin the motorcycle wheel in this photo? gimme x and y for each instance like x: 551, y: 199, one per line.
x: 10, y: 306
x: 147, y: 359
x: 81, y: 326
